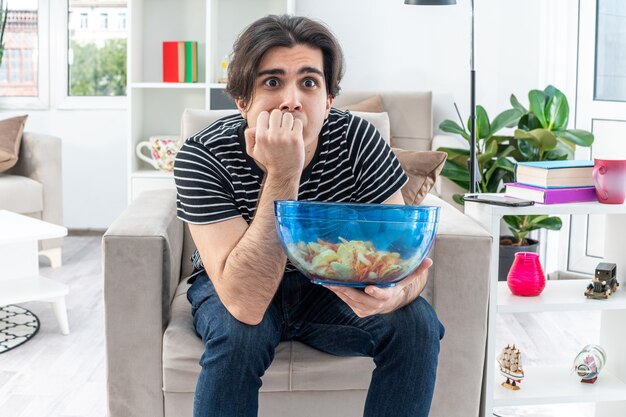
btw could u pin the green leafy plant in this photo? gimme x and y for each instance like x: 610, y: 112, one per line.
x: 493, y: 152
x: 4, y: 11
x: 520, y: 226
x: 541, y: 135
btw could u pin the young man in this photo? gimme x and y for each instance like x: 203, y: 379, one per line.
x: 288, y: 143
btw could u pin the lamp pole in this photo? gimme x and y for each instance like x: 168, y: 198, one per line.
x: 473, y: 163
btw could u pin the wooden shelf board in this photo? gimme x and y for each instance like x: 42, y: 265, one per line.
x: 169, y: 85
x: 593, y: 207
x: 558, y: 295
x: 557, y: 385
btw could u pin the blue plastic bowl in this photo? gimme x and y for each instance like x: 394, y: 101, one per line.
x: 354, y: 244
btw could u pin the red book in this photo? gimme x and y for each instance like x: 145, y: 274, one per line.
x: 170, y: 62
x: 551, y: 195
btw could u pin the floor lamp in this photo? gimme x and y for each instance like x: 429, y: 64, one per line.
x: 472, y: 164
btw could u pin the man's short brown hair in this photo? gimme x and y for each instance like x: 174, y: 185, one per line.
x: 281, y: 31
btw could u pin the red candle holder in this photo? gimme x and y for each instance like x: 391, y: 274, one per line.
x: 526, y: 276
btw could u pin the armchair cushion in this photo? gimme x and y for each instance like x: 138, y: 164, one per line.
x: 26, y: 194
x: 296, y: 366
x: 10, y: 137
x: 422, y: 167
x: 372, y: 104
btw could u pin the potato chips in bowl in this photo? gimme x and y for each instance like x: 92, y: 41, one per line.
x: 355, y: 244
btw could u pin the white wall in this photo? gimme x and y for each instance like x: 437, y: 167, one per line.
x: 94, y: 161
x: 392, y: 46
x: 388, y: 46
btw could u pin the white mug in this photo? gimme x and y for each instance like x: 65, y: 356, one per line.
x: 162, y: 150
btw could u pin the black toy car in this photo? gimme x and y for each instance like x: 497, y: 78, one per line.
x: 604, y: 282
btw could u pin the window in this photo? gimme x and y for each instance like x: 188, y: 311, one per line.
x: 96, y: 59
x: 28, y: 73
x: 84, y: 20
x: 104, y: 20
x: 610, y: 83
x: 121, y: 20
x: 15, y: 66
x: 19, y: 68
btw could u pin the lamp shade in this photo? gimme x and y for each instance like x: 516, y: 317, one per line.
x: 430, y: 2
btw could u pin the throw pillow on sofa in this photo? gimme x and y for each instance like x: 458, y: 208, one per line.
x: 422, y: 168
x: 372, y: 104
x: 10, y: 138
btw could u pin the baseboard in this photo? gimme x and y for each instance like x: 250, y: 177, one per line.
x: 85, y: 232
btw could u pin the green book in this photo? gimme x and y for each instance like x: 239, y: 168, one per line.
x: 191, y: 62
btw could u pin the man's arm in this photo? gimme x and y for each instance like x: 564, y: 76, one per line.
x: 247, y: 263
x: 396, y: 198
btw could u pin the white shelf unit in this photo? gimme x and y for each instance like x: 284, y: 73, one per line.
x: 155, y: 106
x: 556, y: 384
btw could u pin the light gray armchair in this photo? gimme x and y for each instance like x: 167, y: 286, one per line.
x: 153, y: 351
x: 34, y: 186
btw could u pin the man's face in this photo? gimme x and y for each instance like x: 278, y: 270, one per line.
x: 292, y: 80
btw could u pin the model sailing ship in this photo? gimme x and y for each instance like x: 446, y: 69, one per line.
x: 511, y: 367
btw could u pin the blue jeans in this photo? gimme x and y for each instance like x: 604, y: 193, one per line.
x: 404, y: 345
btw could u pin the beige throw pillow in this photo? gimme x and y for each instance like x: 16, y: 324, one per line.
x: 10, y: 138
x: 370, y: 105
x: 380, y: 122
x: 422, y: 168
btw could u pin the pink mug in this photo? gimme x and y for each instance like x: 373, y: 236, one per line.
x: 609, y: 178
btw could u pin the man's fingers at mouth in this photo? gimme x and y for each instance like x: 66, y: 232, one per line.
x: 287, y: 120
x: 298, y: 126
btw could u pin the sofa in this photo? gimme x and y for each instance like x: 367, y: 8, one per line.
x: 33, y: 187
x: 152, y: 349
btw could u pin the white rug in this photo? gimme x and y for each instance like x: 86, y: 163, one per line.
x: 17, y: 326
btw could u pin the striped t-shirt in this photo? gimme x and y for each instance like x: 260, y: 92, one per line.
x: 217, y: 180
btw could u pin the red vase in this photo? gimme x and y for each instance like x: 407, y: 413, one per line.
x: 526, y: 276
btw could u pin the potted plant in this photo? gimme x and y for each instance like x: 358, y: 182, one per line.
x: 541, y: 135
x: 493, y: 152
x: 4, y: 11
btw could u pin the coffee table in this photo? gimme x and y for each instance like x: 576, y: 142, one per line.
x: 19, y: 264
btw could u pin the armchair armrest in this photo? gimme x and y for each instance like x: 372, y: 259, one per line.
x: 40, y: 159
x: 141, y: 254
x: 460, y: 297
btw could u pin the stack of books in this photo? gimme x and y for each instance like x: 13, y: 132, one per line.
x: 180, y: 62
x: 553, y: 182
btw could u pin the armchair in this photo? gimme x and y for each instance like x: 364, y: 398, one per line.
x: 153, y: 351
x: 33, y: 187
